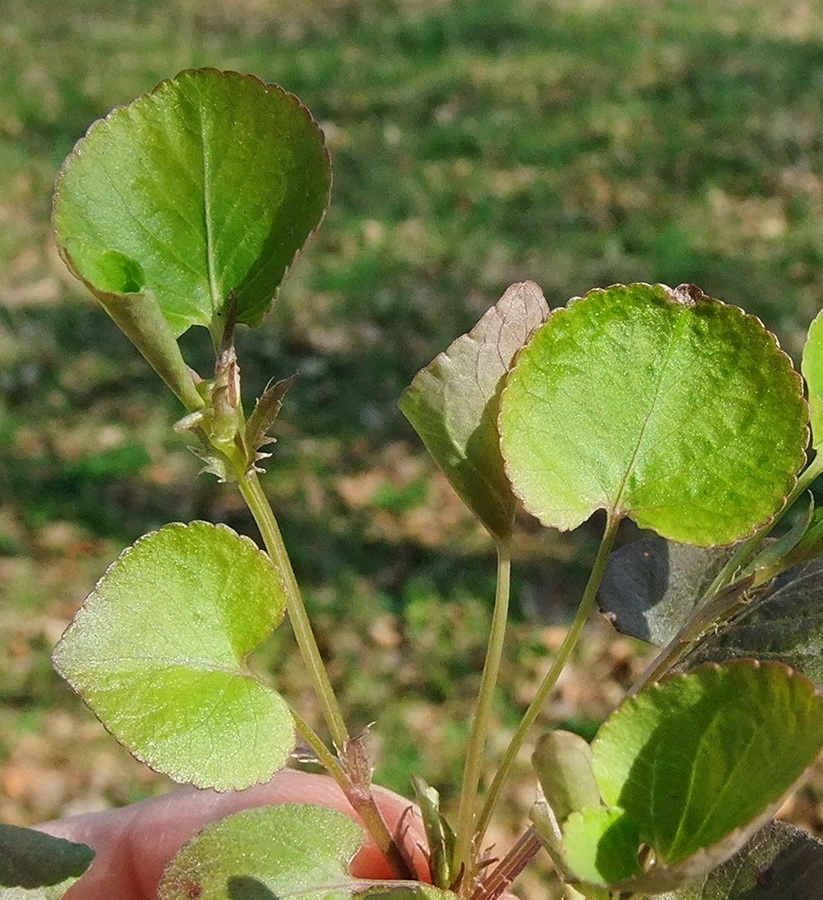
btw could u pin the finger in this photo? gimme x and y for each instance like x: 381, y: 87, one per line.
x: 135, y: 844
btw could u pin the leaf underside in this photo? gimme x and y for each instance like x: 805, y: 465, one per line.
x: 785, y: 626
x: 650, y: 586
x: 453, y: 404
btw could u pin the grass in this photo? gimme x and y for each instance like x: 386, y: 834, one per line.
x: 474, y: 144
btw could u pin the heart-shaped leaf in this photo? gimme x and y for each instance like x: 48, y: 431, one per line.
x: 32, y: 859
x: 778, y: 863
x: 693, y: 766
x: 785, y: 625
x: 662, y: 405
x: 453, y: 404
x: 278, y: 853
x: 199, y: 192
x: 158, y: 648
x: 650, y: 586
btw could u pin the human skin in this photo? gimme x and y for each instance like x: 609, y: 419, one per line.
x: 133, y: 845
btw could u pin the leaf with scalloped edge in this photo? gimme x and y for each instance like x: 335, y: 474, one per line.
x: 662, y: 405
x: 453, y: 404
x: 786, y: 625
x: 692, y: 767
x: 283, y: 852
x: 778, y: 863
x: 200, y: 191
x: 158, y: 652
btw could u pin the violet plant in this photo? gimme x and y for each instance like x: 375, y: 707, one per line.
x: 660, y: 405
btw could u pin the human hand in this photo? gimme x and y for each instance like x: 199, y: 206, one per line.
x: 134, y: 844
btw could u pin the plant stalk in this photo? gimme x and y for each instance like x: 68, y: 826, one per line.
x: 298, y: 616
x: 359, y: 795
x: 480, y: 726
x: 549, y: 681
x: 512, y: 864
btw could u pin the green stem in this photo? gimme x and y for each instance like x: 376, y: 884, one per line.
x: 324, y: 756
x: 259, y: 506
x: 359, y: 795
x: 361, y: 799
x: 480, y: 726
x: 535, y: 707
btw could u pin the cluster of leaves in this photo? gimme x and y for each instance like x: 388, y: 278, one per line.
x: 644, y: 402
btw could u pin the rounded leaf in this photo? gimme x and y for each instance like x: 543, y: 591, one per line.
x: 294, y: 850
x: 662, y: 405
x: 699, y: 762
x: 157, y: 651
x: 200, y: 191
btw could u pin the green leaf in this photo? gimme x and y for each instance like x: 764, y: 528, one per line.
x: 202, y: 190
x: 32, y: 859
x: 563, y: 763
x: 778, y: 863
x: 786, y: 626
x: 52, y: 892
x: 650, y: 586
x: 601, y: 845
x: 157, y: 651
x: 662, y: 405
x: 697, y: 764
x: 278, y: 853
x: 808, y: 547
x: 812, y: 368
x: 440, y: 837
x: 453, y: 404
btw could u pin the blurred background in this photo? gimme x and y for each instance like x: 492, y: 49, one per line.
x: 475, y: 143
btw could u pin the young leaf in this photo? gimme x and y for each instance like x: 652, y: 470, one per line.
x: 157, y: 651
x: 203, y: 189
x: 278, y: 852
x: 453, y: 404
x: 563, y: 763
x: 695, y: 765
x: 778, y: 863
x: 601, y: 846
x: 439, y: 834
x: 650, y: 586
x: 662, y: 405
x: 32, y: 859
x: 785, y: 625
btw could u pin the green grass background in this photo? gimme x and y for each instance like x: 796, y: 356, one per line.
x: 576, y: 143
